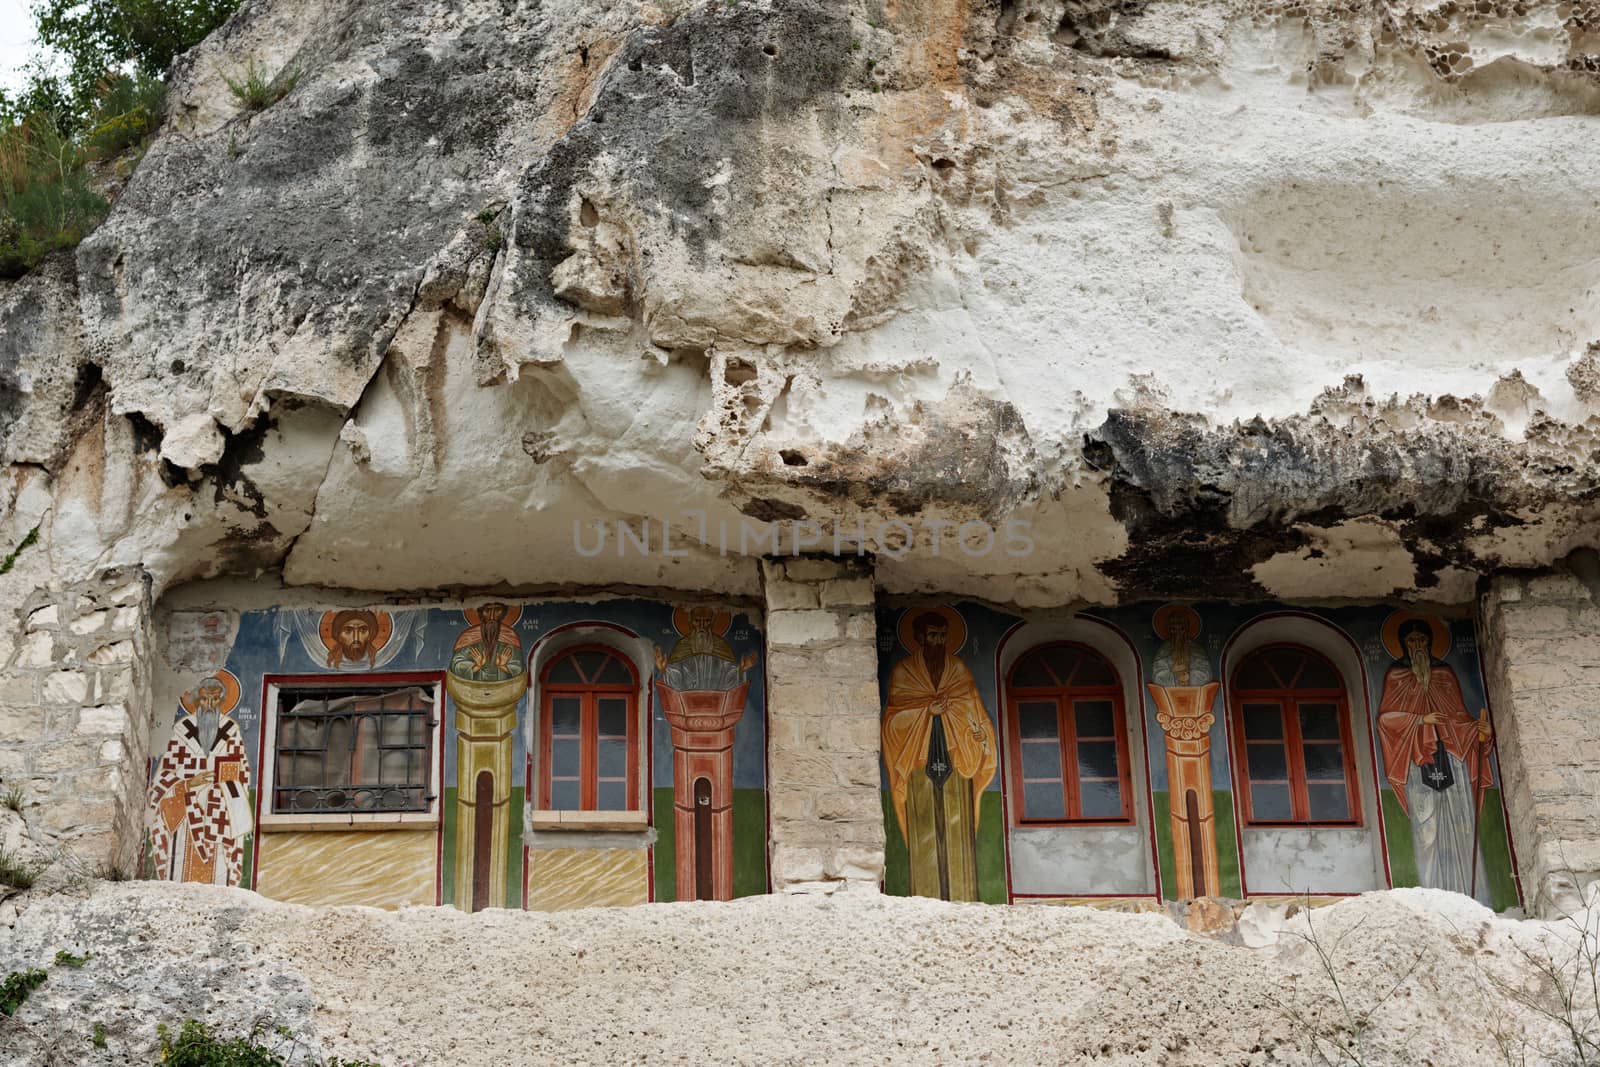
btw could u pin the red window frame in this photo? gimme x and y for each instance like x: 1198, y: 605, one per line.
x: 1288, y: 698
x: 589, y: 694
x: 1064, y: 696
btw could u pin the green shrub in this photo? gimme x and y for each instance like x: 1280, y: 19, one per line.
x: 15, y: 873
x: 68, y: 959
x: 255, y: 91
x: 125, y: 115
x: 17, y: 987
x: 46, y: 202
x: 95, y: 36
x: 198, y: 1045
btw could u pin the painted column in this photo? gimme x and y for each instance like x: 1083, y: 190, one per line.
x: 1184, y: 713
x: 486, y: 715
x: 702, y: 725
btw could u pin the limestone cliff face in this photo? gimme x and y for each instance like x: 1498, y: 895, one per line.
x: 1223, y: 298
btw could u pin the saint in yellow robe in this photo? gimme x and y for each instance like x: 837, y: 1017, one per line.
x: 907, y: 724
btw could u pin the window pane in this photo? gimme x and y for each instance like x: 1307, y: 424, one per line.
x: 1285, y: 664
x: 613, y: 759
x: 1318, y: 674
x: 1041, y: 759
x: 1043, y: 801
x: 614, y: 673
x: 1263, y: 721
x: 1270, y: 803
x: 564, y: 757
x: 1253, y: 674
x: 613, y: 716
x: 1328, y: 801
x: 589, y: 664
x: 1094, y: 718
x: 1101, y: 800
x: 1097, y: 759
x: 564, y: 671
x: 1324, y: 762
x: 1267, y: 763
x: 394, y: 767
x: 1319, y: 722
x: 1092, y: 670
x: 564, y: 796
x: 613, y: 796
x: 1030, y: 672
x: 565, y: 714
x: 396, y: 729
x: 1037, y: 718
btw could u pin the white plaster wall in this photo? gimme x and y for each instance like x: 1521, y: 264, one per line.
x: 1090, y: 860
x: 1324, y: 859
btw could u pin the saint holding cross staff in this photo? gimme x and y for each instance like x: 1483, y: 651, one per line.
x: 1435, y: 754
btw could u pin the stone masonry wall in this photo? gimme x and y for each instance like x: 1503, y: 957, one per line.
x: 75, y: 721
x: 1541, y: 658
x: 824, y: 791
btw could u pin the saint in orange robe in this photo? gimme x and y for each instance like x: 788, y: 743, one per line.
x: 970, y: 735
x: 1408, y: 742
x: 1443, y: 820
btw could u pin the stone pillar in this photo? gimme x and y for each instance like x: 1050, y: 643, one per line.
x: 75, y: 715
x: 824, y: 787
x: 1184, y: 713
x: 1541, y: 660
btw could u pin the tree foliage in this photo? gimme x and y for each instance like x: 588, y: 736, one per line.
x: 140, y: 37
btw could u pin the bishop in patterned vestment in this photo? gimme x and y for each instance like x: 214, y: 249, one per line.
x: 199, y: 805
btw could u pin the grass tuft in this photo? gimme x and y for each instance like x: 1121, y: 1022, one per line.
x: 255, y: 91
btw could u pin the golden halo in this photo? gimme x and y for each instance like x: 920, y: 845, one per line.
x: 513, y: 613
x: 230, y: 693
x: 719, y: 622
x: 957, y: 626
x: 379, y: 639
x: 1391, y: 633
x: 1164, y: 615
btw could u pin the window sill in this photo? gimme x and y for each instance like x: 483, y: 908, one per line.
x: 579, y: 821
x: 409, y: 820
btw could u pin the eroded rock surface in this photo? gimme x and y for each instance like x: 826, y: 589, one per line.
x: 1304, y: 290
x: 855, y: 977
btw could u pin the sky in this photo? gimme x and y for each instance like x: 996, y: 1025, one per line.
x: 16, y: 41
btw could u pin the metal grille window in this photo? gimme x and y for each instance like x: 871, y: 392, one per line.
x: 1291, y: 727
x: 356, y: 750
x: 1069, y: 738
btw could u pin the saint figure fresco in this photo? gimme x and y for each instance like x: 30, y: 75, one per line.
x: 1435, y: 755
x: 1180, y: 661
x: 199, y: 799
x: 489, y: 650
x: 702, y: 659
x: 939, y: 747
x: 350, y: 639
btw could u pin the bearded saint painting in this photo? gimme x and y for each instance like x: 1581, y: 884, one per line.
x: 1435, y: 755
x: 199, y: 798
x: 489, y: 650
x: 939, y: 747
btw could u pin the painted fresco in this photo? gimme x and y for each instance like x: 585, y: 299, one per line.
x: 459, y: 828
x: 1397, y: 780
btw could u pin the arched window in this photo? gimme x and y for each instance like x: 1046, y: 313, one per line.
x: 588, y: 756
x: 1291, y: 730
x: 1069, y: 737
